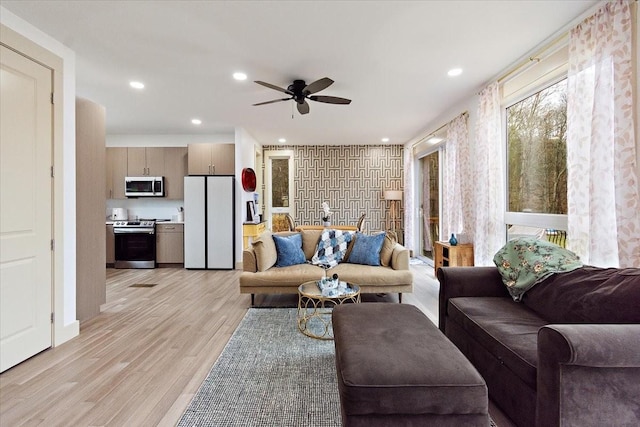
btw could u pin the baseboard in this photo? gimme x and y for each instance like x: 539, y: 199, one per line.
x: 65, y: 333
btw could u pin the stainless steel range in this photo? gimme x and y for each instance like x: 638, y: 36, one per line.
x: 135, y: 243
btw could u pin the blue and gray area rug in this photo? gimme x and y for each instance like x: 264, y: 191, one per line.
x: 269, y: 374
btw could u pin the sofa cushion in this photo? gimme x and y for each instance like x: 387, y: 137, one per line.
x: 286, y: 277
x: 390, y: 240
x: 289, y: 249
x: 372, y: 276
x: 332, y: 247
x: 310, y: 240
x: 525, y: 261
x: 366, y: 249
x: 265, y: 250
x: 588, y: 295
x: 507, y: 329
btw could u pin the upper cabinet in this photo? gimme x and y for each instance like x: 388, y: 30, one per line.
x: 212, y: 159
x: 170, y: 162
x: 116, y: 172
x: 145, y: 161
x: 175, y: 167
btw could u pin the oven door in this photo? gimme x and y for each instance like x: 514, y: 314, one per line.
x: 135, y: 247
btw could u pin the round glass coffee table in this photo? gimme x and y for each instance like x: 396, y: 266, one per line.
x: 314, y: 307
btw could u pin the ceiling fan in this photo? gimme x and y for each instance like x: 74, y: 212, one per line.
x: 300, y: 92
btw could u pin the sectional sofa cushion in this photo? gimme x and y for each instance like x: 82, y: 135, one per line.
x: 265, y: 249
x: 588, y: 295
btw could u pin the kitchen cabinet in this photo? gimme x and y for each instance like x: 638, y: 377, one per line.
x: 175, y: 167
x: 446, y: 255
x: 212, y: 159
x: 116, y: 166
x: 145, y: 161
x: 111, y: 246
x: 169, y: 243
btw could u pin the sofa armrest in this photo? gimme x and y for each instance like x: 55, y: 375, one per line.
x: 400, y: 257
x: 467, y: 282
x: 588, y: 374
x: 249, y: 260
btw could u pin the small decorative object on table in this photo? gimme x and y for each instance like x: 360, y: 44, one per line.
x: 326, y: 217
x: 453, y: 241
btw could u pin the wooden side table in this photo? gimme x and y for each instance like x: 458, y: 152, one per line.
x: 446, y: 255
x: 252, y: 230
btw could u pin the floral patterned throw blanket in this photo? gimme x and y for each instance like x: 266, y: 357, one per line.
x: 526, y: 261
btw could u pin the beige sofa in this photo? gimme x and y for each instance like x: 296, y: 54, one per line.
x: 260, y: 276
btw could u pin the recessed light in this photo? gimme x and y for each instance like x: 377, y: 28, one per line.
x: 196, y: 121
x: 282, y: 140
x: 454, y: 72
x: 385, y: 139
x: 136, y: 85
x: 434, y: 140
x: 240, y: 76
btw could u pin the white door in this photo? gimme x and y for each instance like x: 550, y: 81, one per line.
x: 25, y: 208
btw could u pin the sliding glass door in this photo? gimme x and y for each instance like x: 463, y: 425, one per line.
x: 430, y: 203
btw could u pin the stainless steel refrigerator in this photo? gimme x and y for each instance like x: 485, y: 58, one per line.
x: 209, y: 222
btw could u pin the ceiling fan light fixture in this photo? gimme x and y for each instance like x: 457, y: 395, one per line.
x: 240, y: 76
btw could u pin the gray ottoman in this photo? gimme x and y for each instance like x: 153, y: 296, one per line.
x: 395, y: 368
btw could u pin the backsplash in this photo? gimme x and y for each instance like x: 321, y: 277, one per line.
x: 146, y: 208
x: 350, y: 178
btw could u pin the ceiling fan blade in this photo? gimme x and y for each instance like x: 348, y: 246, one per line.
x: 330, y: 99
x: 274, y: 87
x: 317, y: 86
x: 271, y: 102
x: 303, y: 108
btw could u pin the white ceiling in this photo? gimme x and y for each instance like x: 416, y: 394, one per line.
x: 390, y: 57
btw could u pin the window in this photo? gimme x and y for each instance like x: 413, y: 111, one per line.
x: 535, y: 100
x: 537, y: 152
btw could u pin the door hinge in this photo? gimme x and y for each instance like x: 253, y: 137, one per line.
x: 53, y: 244
x: 51, y: 171
x: 52, y: 317
x: 52, y: 97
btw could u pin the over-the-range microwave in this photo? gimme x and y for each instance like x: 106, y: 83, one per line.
x: 144, y: 186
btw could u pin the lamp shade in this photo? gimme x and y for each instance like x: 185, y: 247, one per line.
x: 392, y: 195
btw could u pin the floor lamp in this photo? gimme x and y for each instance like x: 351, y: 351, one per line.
x: 393, y: 196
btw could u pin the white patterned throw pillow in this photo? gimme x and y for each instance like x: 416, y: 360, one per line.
x: 331, y: 247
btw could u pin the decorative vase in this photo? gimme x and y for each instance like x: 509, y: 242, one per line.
x: 453, y: 241
x: 326, y: 223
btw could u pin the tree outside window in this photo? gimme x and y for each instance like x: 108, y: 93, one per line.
x: 537, y: 155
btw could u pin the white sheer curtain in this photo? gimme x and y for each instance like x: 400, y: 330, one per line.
x: 489, y: 178
x: 457, y: 209
x: 409, y: 220
x: 603, y: 203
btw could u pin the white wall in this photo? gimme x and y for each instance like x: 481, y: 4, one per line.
x: 246, y: 147
x: 66, y: 325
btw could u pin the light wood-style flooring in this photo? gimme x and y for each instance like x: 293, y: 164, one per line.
x: 141, y: 360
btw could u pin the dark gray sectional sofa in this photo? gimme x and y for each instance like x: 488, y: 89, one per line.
x: 568, y: 354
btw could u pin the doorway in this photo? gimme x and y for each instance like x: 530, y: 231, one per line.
x: 430, y: 203
x: 279, y: 197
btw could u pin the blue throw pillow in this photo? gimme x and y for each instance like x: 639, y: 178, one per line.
x: 366, y: 249
x: 289, y: 249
